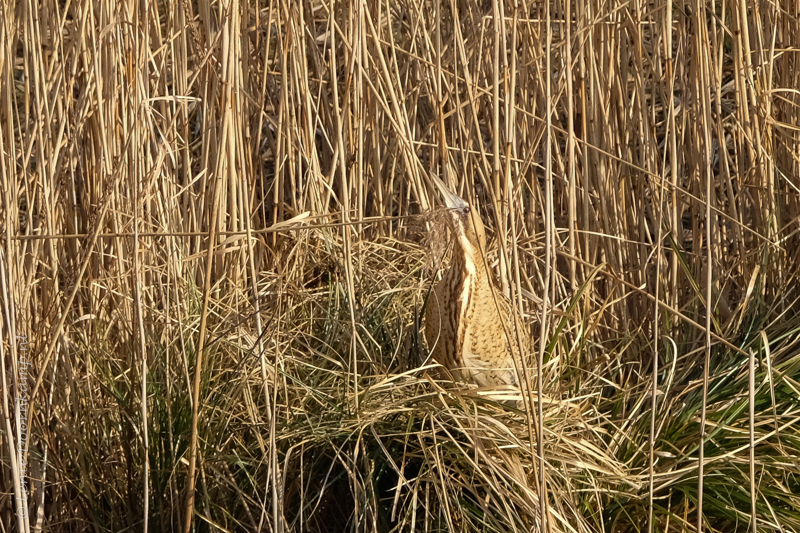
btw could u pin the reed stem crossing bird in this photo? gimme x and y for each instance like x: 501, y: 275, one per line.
x: 471, y: 328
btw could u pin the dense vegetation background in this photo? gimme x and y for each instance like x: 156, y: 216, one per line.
x: 219, y: 231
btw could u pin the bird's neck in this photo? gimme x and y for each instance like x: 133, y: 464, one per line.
x: 469, y: 261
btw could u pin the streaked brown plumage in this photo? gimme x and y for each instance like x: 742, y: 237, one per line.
x: 469, y: 326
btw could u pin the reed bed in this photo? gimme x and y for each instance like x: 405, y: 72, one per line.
x: 219, y: 232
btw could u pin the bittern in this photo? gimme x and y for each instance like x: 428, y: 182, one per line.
x: 471, y: 328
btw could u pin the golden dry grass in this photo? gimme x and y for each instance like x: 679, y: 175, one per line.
x: 251, y: 183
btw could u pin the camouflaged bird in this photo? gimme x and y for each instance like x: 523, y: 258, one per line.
x: 469, y: 325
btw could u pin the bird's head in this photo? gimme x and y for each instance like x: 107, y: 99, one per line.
x: 464, y: 222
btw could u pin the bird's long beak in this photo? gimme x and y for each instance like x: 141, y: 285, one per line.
x: 451, y: 199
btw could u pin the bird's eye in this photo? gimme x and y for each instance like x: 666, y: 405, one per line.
x: 466, y: 210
